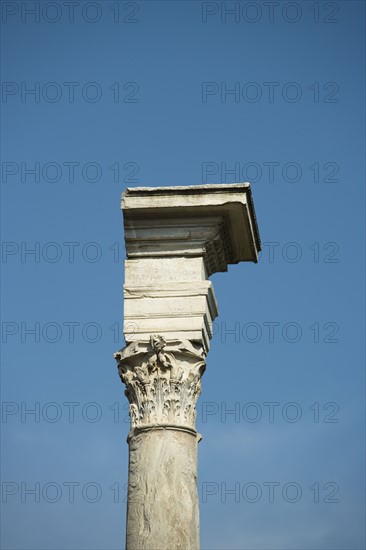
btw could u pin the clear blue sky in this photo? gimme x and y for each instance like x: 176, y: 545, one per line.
x: 141, y: 96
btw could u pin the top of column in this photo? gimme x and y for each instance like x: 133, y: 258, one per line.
x: 215, y: 221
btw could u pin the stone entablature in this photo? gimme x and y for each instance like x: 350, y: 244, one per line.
x: 176, y: 237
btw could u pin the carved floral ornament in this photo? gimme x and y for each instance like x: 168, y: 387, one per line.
x: 163, y: 380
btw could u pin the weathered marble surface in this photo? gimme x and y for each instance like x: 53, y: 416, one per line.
x: 162, y: 502
x: 176, y: 237
x: 216, y: 222
x: 163, y: 381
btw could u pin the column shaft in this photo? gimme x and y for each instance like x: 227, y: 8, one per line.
x: 162, y: 509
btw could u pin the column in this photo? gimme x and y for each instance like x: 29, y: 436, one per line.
x: 175, y: 238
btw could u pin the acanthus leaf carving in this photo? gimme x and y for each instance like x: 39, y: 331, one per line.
x: 162, y: 380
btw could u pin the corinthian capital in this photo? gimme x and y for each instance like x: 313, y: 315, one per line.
x: 163, y: 380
